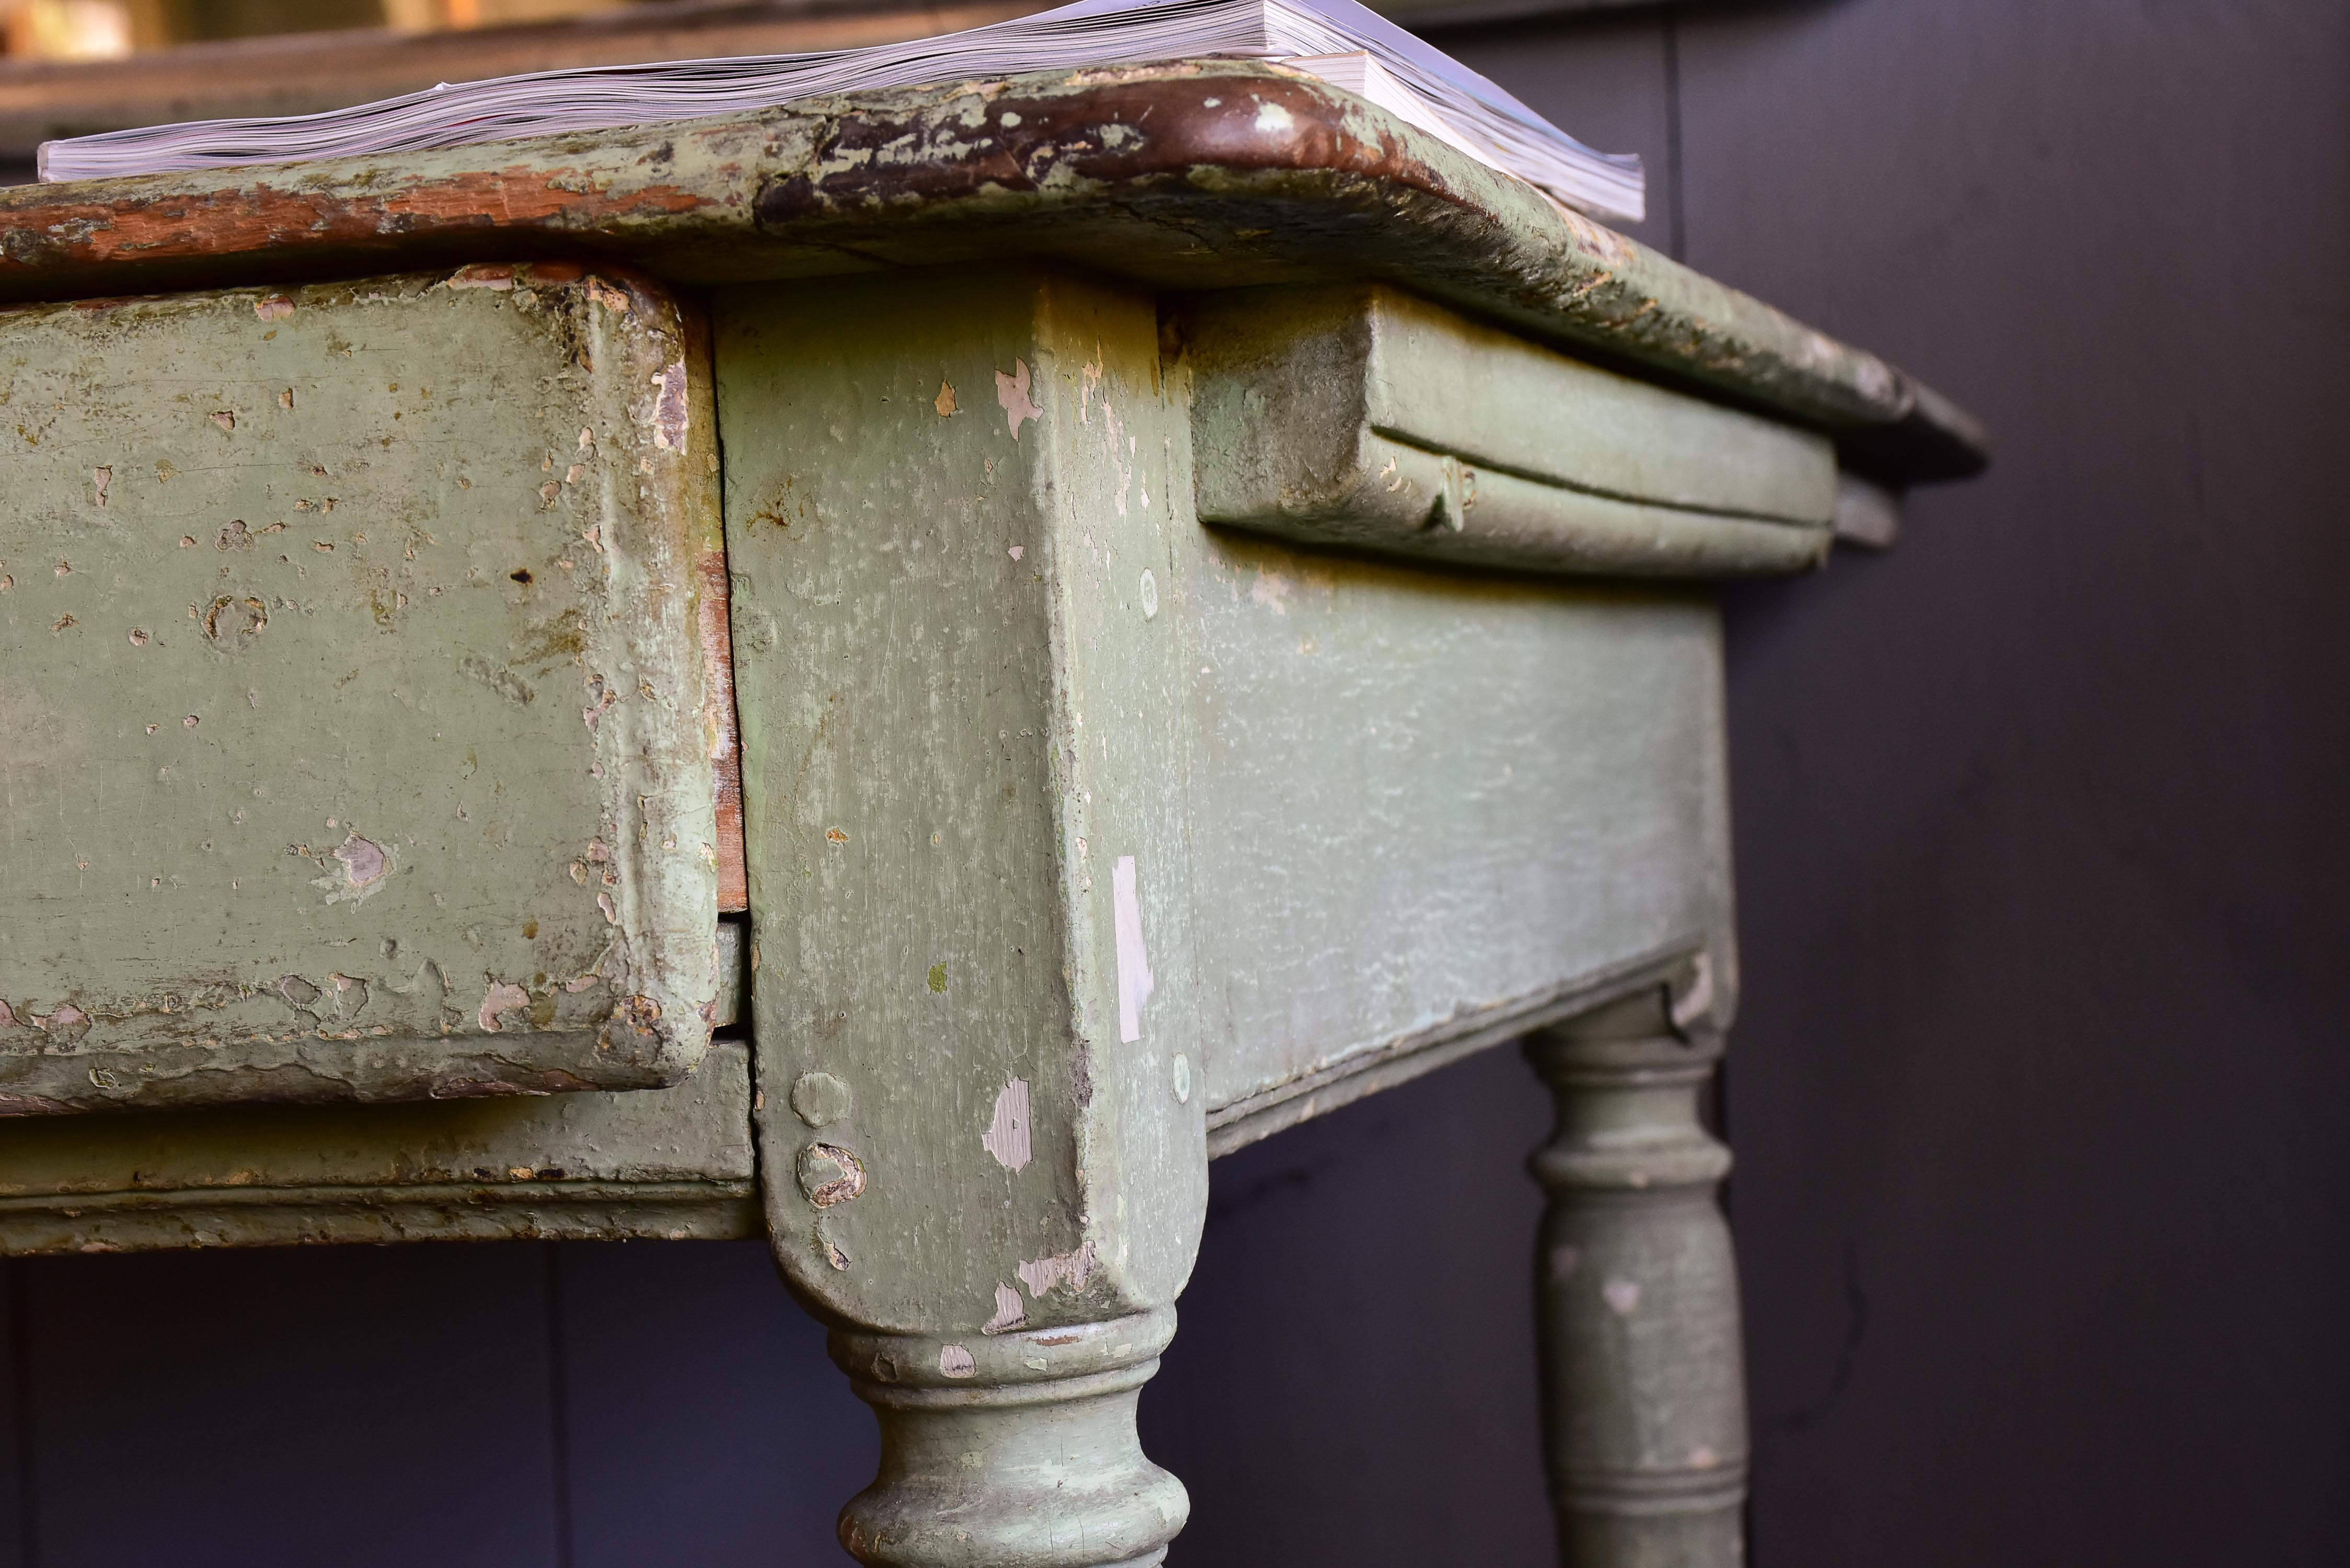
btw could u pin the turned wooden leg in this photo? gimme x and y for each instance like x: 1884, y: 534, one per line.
x: 1015, y: 1449
x: 1644, y: 1401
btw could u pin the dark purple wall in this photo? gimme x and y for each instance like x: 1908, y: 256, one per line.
x: 2040, y: 1089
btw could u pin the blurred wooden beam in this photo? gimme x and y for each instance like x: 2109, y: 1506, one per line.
x: 302, y: 73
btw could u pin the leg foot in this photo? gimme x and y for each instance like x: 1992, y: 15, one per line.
x: 1644, y: 1391
x: 1012, y: 1451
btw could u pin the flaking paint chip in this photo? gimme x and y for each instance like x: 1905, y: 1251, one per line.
x: 945, y: 401
x: 1011, y: 1313
x: 1011, y: 391
x: 1007, y: 1137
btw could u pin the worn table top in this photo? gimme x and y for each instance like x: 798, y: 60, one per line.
x: 1187, y: 176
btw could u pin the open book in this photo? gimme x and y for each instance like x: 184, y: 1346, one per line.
x: 1339, y: 41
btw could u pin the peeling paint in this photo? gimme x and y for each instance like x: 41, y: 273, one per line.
x: 1692, y: 1004
x: 1623, y: 1296
x: 955, y: 1361
x: 1070, y: 1271
x: 498, y: 679
x: 1135, y: 981
x: 1011, y: 391
x: 492, y: 276
x: 1007, y: 1137
x: 830, y: 1174
x: 669, y: 407
x: 1011, y: 1313
x: 295, y: 1009
x: 503, y: 997
x: 363, y: 861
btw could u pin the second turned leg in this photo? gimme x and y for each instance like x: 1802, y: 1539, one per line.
x: 1644, y: 1403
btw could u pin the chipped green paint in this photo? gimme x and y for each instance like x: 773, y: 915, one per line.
x: 962, y: 735
x: 674, y: 1164
x: 355, y: 740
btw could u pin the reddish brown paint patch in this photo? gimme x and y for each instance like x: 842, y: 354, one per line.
x: 49, y: 236
x: 715, y: 631
x: 1145, y: 130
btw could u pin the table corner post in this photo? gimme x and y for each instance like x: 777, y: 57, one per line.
x: 1643, y: 1385
x: 951, y: 499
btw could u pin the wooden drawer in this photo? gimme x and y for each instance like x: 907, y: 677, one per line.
x: 358, y: 741
x: 1366, y: 417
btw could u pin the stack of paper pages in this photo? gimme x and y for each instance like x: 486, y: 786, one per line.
x: 1337, y: 40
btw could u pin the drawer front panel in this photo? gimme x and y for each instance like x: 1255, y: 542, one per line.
x: 357, y: 741
x: 1366, y: 417
x: 1430, y: 808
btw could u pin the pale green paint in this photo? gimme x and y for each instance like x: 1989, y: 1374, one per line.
x: 732, y: 1006
x: 1012, y: 1451
x: 1644, y: 1408
x: 670, y: 1163
x: 962, y: 740
x: 1363, y: 417
x: 1430, y: 806
x: 355, y: 741
x: 956, y: 722
x: 1314, y: 406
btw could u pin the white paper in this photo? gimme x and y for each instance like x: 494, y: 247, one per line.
x: 1454, y: 101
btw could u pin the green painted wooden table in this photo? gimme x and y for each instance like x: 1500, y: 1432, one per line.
x: 898, y: 675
